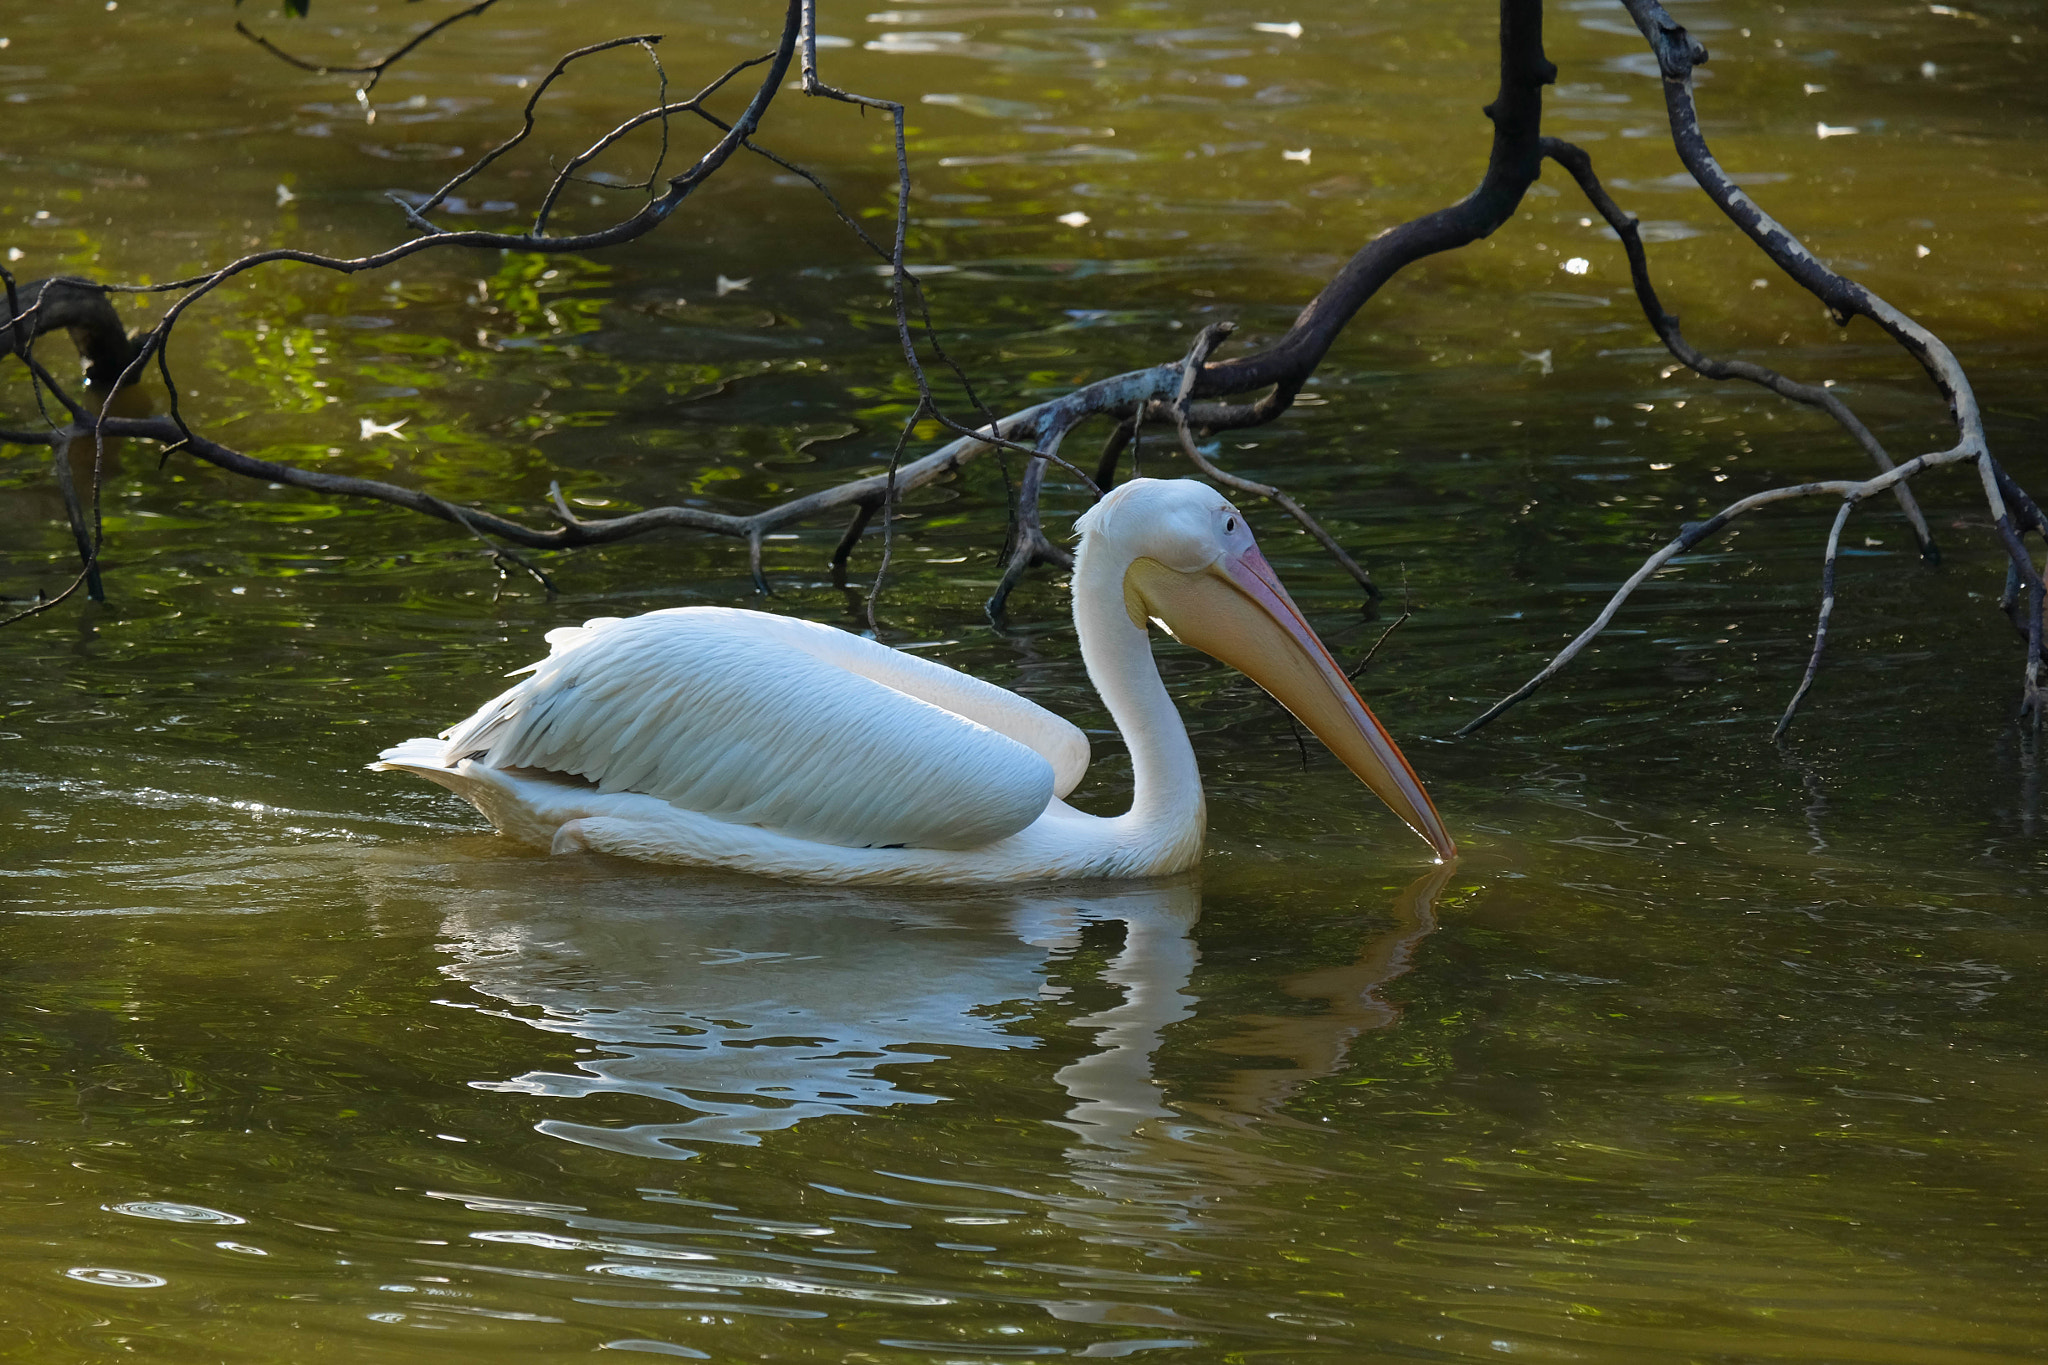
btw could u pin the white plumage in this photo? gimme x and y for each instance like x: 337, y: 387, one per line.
x: 767, y: 744
x: 865, y: 746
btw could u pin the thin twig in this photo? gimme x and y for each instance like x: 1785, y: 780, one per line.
x: 661, y: 112
x: 375, y: 71
x: 1366, y: 662
x: 1205, y: 343
x: 478, y: 166
x: 1820, y: 627
x: 43, y: 604
x: 889, y: 516
x: 500, y: 556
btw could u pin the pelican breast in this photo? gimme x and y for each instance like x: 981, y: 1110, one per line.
x: 780, y: 723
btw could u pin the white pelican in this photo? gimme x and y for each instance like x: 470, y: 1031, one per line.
x: 765, y: 744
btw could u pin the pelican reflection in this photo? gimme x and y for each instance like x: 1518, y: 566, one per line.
x: 742, y: 1008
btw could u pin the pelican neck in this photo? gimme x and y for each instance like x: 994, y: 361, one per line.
x: 1166, y: 783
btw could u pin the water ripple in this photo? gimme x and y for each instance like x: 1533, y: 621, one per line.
x: 165, y: 1211
x: 115, y: 1279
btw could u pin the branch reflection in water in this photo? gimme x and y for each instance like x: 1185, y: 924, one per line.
x: 753, y: 1007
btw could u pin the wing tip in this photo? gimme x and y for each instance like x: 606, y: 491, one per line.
x: 412, y: 755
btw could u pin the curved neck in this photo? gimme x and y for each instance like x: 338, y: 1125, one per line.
x: 1166, y: 784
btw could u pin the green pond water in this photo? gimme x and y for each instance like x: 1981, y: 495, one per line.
x: 1706, y: 1049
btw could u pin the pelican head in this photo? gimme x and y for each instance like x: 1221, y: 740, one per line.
x: 1194, y: 568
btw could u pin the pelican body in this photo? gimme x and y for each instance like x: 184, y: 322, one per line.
x: 766, y: 744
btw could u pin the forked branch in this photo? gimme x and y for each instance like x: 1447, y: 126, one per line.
x: 1576, y: 161
x: 374, y: 70
x: 2012, y: 513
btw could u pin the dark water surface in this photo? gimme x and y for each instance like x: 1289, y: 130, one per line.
x: 1706, y: 1050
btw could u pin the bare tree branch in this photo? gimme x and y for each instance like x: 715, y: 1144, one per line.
x: 1695, y: 532
x: 501, y: 556
x: 1512, y: 166
x: 375, y: 71
x: 483, y: 163
x: 1035, y: 432
x: 1575, y: 160
x: 1366, y: 662
x: 1167, y: 393
x: 23, y: 320
x: 1678, y: 54
x: 1029, y: 543
x: 74, y: 512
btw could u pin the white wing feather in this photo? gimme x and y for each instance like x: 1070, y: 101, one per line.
x: 764, y: 720
x: 1056, y: 740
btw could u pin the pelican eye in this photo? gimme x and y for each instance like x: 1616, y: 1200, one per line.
x: 1229, y: 525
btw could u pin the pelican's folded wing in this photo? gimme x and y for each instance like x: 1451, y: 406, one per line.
x: 725, y: 712
x: 1057, y: 740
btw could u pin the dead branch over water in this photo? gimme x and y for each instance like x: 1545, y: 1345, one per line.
x: 1195, y: 395
x: 2013, y: 513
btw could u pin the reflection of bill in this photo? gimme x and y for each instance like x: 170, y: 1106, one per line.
x: 1138, y: 1154
x: 1307, y: 1047
x: 752, y: 1007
